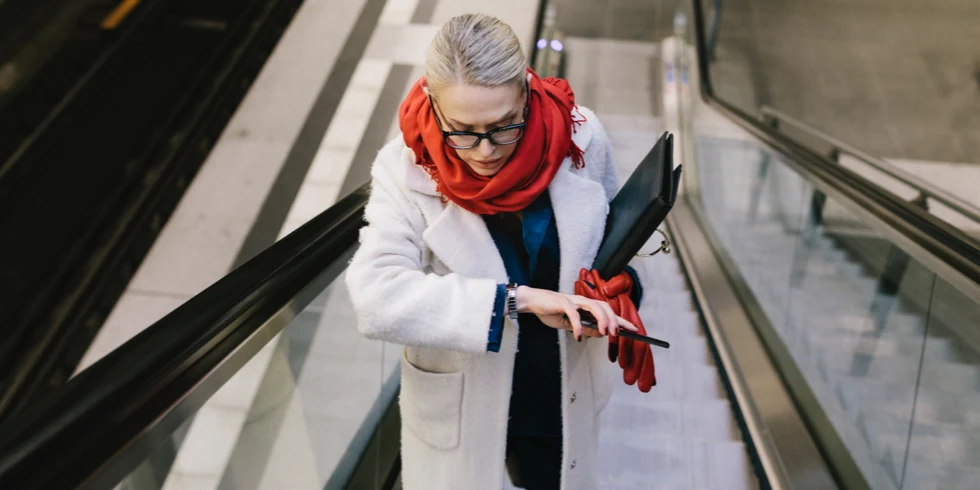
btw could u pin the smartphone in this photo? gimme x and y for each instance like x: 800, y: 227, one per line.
x: 589, y: 321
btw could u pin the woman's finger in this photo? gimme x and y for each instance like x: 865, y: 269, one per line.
x: 627, y: 324
x: 573, y: 318
x: 611, y: 319
x: 595, y: 307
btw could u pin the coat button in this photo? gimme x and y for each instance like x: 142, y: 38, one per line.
x: 573, y: 398
x: 573, y: 464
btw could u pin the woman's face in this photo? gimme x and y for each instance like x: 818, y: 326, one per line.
x: 464, y: 107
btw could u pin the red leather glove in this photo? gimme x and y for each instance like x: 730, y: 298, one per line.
x: 634, y: 357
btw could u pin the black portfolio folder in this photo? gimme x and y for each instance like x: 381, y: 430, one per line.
x: 636, y: 212
x: 639, y: 208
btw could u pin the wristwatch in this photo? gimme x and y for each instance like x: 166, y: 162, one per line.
x: 512, y: 301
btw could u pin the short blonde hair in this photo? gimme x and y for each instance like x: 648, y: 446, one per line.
x: 475, y: 49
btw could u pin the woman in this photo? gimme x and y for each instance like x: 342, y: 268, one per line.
x: 480, y: 219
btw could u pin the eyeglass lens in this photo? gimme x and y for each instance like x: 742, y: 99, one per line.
x: 504, y: 137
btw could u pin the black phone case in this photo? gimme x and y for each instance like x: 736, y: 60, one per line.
x: 589, y: 321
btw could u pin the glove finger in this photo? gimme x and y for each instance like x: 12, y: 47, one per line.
x: 637, y: 322
x: 628, y: 312
x: 638, y: 352
x: 625, y: 353
x: 617, y: 285
x: 631, y: 374
x: 596, y: 278
x: 648, y: 376
x: 582, y: 289
x: 615, y: 304
x: 613, y: 349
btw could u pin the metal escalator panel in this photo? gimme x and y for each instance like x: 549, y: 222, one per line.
x: 299, y: 414
x: 884, y: 341
x: 260, y: 381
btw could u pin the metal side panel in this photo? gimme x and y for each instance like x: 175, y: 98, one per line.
x: 787, y: 452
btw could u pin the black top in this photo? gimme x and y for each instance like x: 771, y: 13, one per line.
x: 528, y: 244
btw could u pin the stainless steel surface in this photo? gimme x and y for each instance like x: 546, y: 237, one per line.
x: 871, y: 213
x: 863, y: 357
x: 908, y: 447
x: 788, y: 454
x: 961, y: 206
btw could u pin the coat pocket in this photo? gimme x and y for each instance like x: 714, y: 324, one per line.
x: 431, y: 405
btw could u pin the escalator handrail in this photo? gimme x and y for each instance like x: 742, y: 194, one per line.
x: 103, y: 423
x: 945, y: 249
x: 888, y: 168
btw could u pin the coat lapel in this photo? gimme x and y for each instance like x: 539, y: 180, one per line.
x: 460, y: 240
x: 580, y: 213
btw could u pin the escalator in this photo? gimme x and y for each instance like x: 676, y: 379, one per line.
x: 821, y: 329
x: 866, y: 298
x: 107, y: 110
x: 685, y: 433
x: 877, y: 352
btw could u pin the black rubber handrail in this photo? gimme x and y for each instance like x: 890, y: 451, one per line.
x: 97, y: 428
x: 946, y: 242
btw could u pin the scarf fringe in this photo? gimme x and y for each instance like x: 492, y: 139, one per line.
x: 430, y: 168
x: 577, y: 121
x: 578, y: 156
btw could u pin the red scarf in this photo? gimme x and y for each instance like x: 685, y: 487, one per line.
x: 547, y: 141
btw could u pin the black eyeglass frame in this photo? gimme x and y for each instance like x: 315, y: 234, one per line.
x: 481, y: 136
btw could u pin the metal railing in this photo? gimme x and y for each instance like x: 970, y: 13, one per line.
x: 925, y: 189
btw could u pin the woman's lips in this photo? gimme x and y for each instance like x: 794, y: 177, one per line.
x: 488, y: 163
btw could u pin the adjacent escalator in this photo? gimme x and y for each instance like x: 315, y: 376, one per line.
x: 867, y: 301
x: 107, y: 110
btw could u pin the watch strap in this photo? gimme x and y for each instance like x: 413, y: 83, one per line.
x: 512, y: 301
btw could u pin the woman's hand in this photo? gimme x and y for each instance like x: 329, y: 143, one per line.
x: 560, y: 311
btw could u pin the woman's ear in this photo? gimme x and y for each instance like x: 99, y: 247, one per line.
x: 528, y: 77
x: 425, y: 86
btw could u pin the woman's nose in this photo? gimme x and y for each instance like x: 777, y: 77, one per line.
x: 486, y: 148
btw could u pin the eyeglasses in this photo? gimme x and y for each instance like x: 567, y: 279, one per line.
x: 464, y: 140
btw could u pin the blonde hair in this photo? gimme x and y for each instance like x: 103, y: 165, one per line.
x: 475, y: 49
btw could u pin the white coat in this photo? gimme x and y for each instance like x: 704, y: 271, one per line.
x: 425, y: 276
